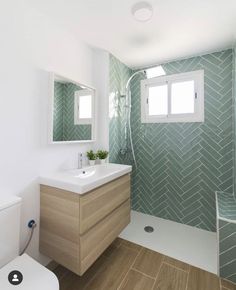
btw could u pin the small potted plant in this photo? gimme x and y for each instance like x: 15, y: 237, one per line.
x: 102, y: 155
x: 91, y: 157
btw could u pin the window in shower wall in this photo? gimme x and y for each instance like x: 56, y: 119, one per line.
x: 173, y: 98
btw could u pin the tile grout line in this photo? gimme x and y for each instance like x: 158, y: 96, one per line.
x: 186, y: 288
x: 227, y: 250
x: 158, y: 272
x: 142, y: 273
x: 227, y: 237
x: 221, y: 287
x: 107, y: 259
x: 186, y: 271
x: 188, y: 274
x: 138, y: 254
x: 230, y: 262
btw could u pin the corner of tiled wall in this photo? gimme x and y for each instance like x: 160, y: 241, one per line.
x: 180, y: 166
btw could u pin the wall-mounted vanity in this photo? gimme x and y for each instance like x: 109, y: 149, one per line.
x: 71, y: 111
x: 82, y: 212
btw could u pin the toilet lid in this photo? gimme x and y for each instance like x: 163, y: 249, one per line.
x: 35, y: 276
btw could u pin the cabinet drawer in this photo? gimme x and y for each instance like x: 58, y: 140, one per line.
x: 97, y: 239
x: 97, y: 204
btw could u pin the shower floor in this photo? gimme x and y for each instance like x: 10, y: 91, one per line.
x: 185, y: 243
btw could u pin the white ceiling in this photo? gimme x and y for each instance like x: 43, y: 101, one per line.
x: 178, y: 29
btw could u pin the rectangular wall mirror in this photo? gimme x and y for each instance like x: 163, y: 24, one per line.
x: 71, y: 111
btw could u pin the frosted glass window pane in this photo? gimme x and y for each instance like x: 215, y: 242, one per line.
x: 155, y: 72
x: 158, y: 100
x: 85, y: 107
x: 182, y: 97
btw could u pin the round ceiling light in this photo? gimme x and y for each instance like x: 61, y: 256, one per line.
x: 142, y: 11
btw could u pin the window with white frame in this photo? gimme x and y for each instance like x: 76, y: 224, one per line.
x: 173, y: 98
x: 83, y: 107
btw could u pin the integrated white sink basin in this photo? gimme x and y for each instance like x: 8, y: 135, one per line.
x: 83, y: 180
x: 83, y: 173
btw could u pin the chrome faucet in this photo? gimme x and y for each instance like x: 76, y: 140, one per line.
x: 80, y: 160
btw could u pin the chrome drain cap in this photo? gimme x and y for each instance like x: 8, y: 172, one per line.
x: 149, y: 229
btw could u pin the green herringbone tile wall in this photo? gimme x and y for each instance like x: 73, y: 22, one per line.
x: 234, y: 107
x: 181, y: 165
x: 227, y: 249
x: 63, y: 127
x: 58, y: 111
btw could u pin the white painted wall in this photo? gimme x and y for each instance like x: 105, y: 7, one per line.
x: 30, y: 46
x: 101, y: 82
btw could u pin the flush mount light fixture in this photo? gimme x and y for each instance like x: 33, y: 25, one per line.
x: 142, y: 11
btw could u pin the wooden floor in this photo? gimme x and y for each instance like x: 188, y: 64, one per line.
x: 127, y: 266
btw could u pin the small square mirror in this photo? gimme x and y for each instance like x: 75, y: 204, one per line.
x: 71, y: 111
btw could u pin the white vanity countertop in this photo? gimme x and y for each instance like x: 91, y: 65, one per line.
x: 83, y: 180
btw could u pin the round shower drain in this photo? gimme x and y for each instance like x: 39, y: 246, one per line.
x: 149, y: 229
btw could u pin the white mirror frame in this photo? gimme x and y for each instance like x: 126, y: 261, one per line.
x: 51, y: 106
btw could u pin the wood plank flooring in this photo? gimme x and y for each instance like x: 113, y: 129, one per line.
x: 127, y: 266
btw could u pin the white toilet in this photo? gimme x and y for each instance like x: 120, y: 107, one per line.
x: 35, y: 276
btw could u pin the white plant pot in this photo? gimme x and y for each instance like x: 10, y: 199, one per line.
x: 102, y: 161
x: 91, y: 162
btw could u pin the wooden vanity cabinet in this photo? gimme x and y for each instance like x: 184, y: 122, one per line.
x: 76, y: 229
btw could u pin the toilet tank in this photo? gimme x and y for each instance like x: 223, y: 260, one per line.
x: 9, y: 228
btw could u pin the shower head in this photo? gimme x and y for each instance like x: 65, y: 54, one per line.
x: 142, y: 71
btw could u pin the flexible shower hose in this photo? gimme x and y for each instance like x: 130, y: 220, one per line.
x: 32, y: 225
x: 130, y: 137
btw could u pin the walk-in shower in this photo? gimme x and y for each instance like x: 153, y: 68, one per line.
x: 128, y: 130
